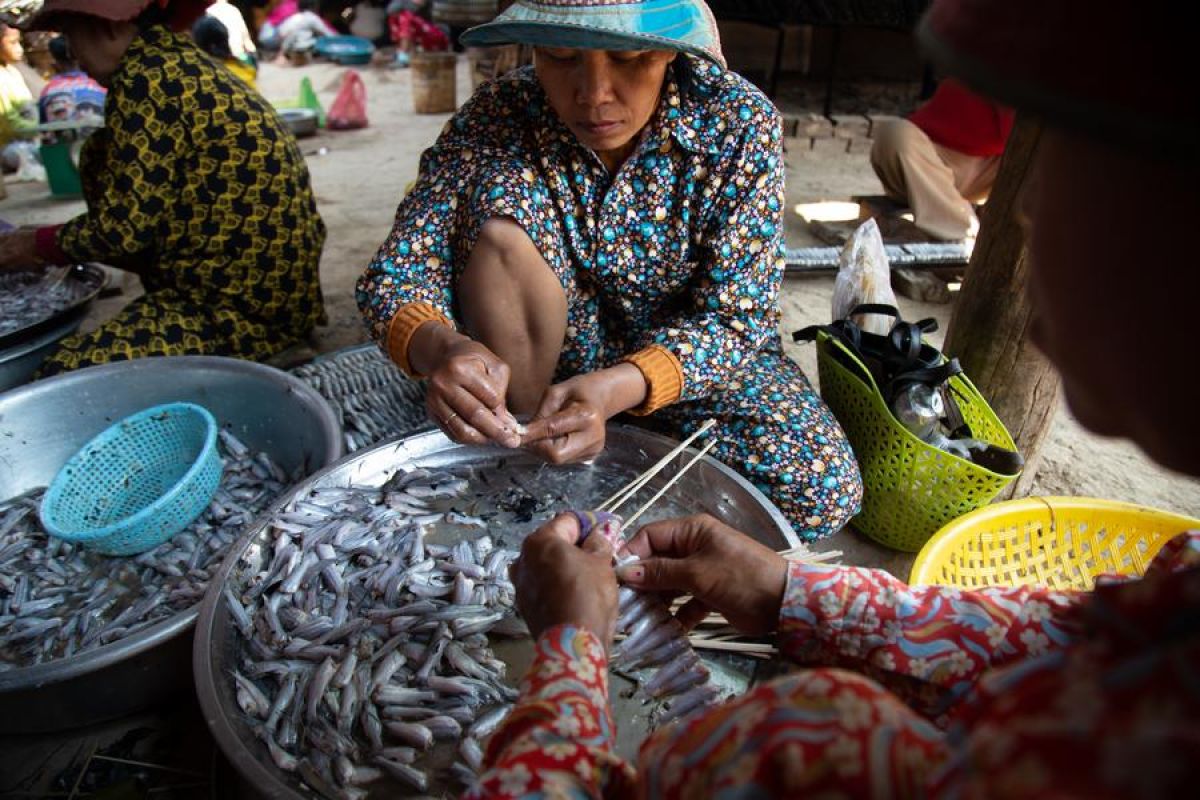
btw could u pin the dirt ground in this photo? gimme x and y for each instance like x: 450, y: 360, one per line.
x: 359, y: 177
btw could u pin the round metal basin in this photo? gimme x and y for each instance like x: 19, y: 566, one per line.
x: 44, y: 423
x: 300, y: 121
x: 76, y: 286
x: 710, y: 487
x: 21, y: 360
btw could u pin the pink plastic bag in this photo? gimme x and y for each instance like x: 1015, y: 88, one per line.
x: 349, y: 109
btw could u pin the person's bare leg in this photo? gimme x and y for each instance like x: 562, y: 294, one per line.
x: 513, y: 303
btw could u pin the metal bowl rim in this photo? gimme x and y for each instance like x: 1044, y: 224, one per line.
x: 65, y: 669
x: 217, y: 717
x: 93, y: 275
x: 66, y: 323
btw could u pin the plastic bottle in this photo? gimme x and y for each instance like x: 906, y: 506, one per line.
x: 919, y: 408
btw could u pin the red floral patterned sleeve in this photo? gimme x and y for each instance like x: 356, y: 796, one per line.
x: 558, y: 740
x: 929, y: 644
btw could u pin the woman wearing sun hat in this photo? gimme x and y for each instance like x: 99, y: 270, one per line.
x: 932, y: 691
x: 193, y: 184
x: 600, y: 234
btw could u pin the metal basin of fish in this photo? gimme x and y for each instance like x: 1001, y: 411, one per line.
x: 19, y: 362
x: 44, y: 423
x: 38, y: 310
x: 513, y: 493
x: 34, y: 301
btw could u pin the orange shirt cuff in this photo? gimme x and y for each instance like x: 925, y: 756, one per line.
x: 664, y: 378
x: 402, y: 327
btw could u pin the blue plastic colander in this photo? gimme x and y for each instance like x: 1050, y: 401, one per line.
x: 138, y: 483
x: 345, y: 50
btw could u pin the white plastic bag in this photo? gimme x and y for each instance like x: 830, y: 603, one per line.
x: 864, y: 277
x: 29, y: 163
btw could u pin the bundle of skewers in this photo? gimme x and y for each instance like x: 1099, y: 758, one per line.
x: 715, y: 633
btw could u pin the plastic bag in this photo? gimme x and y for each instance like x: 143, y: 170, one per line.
x: 349, y: 109
x: 864, y: 277
x: 29, y: 162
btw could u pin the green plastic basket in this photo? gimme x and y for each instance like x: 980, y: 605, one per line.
x: 911, y: 488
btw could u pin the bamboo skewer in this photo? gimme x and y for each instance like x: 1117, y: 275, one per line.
x: 805, y: 556
x: 757, y: 649
x: 674, y: 479
x: 626, y: 493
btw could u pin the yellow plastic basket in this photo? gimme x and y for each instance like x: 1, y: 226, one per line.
x: 1056, y: 542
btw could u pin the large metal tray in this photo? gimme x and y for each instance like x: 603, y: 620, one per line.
x: 44, y: 423
x: 710, y: 487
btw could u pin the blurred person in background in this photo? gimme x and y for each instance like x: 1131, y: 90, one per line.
x: 18, y: 112
x: 943, y: 159
x: 193, y: 184
x: 71, y: 95
x: 410, y: 28
x: 241, y: 43
x: 212, y: 37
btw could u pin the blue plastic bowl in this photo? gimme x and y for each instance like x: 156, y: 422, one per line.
x: 138, y: 483
x: 345, y: 50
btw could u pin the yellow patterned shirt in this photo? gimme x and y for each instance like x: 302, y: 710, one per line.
x: 195, y: 185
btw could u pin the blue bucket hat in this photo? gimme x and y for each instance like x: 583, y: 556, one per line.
x: 686, y: 26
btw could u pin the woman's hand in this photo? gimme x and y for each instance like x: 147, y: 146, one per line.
x: 561, y: 583
x: 724, y: 571
x: 570, y: 422
x: 18, y: 250
x: 467, y: 386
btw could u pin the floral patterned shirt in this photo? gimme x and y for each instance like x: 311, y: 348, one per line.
x: 1004, y: 692
x: 680, y: 252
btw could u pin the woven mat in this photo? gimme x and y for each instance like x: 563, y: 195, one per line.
x: 375, y: 400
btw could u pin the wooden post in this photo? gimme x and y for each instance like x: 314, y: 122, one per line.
x: 989, y: 331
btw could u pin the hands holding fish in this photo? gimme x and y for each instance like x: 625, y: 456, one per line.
x: 569, y: 424
x: 559, y: 582
x: 723, y: 570
x: 468, y: 385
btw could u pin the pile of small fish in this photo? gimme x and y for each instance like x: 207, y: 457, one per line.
x: 375, y: 400
x: 365, y: 648
x: 58, y: 599
x: 364, y: 644
x: 27, y: 298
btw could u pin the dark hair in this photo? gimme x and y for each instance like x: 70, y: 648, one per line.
x: 152, y: 15
x: 212, y: 37
x: 309, y: 5
x: 60, y: 51
x: 685, y: 74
